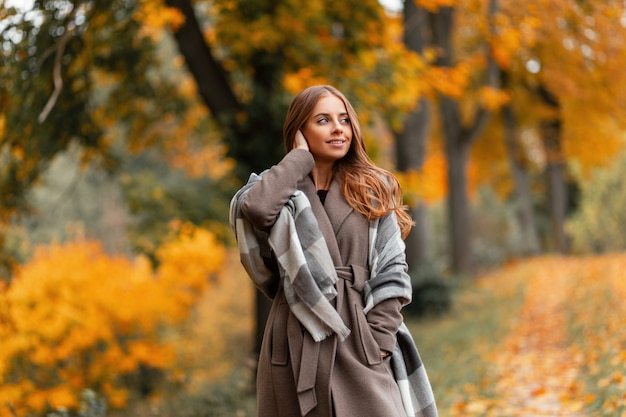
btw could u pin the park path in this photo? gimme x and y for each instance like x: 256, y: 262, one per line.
x: 534, y: 367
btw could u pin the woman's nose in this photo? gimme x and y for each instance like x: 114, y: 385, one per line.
x: 337, y: 127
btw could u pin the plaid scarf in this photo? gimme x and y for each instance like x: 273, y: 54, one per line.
x: 308, y: 276
x: 408, y: 369
x: 388, y: 279
x: 305, y: 265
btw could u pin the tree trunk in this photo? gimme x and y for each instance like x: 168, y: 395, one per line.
x: 411, y: 141
x: 410, y: 153
x: 458, y: 140
x: 555, y: 175
x: 457, y: 151
x: 265, y: 128
x: 249, y: 142
x: 555, y: 171
x: 208, y: 73
x: 523, y: 195
x: 458, y: 212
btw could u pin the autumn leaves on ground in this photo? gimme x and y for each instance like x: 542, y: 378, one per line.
x: 556, y: 349
x: 538, y: 337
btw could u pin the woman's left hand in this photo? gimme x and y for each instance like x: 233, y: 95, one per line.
x: 301, y: 142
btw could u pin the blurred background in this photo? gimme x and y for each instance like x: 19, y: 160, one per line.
x: 127, y: 125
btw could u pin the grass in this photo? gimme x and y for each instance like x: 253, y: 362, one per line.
x: 454, y: 346
x: 508, y: 347
x: 229, y: 397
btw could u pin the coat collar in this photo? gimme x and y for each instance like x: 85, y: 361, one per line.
x: 336, y: 205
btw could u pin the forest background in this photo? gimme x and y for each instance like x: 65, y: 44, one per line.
x: 127, y: 125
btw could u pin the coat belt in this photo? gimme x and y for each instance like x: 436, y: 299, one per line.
x: 357, y: 275
x: 305, y: 361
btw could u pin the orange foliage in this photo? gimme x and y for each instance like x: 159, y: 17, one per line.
x: 219, y: 336
x: 206, y: 160
x: 489, y: 163
x: 492, y: 99
x: 303, y: 78
x: 451, y: 82
x: 579, y: 58
x: 429, y: 184
x: 591, y: 142
x: 155, y: 15
x: 434, y: 5
x: 75, y: 318
x: 186, y: 138
x: 384, y: 76
x: 512, y: 34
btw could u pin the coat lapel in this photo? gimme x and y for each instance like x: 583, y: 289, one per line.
x: 337, y: 206
x: 307, y: 186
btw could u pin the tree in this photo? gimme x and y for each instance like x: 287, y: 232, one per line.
x: 567, y: 58
x: 281, y: 45
x: 555, y: 54
x: 411, y: 138
x: 69, y: 78
x: 245, y: 82
x: 43, y: 80
x: 459, y: 135
x: 551, y: 132
x: 521, y: 180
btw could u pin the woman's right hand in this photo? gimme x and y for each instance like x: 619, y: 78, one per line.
x: 301, y: 142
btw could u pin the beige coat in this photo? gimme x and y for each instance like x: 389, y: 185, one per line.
x: 297, y: 376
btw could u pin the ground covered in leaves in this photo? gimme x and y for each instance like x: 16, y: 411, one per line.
x: 542, y: 337
x: 539, y: 337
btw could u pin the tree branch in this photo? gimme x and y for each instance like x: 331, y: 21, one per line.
x: 59, y: 50
x: 493, y: 78
x: 209, y: 74
x: 57, y: 79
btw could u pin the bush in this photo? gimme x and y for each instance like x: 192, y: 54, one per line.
x: 75, y: 317
x: 431, y: 292
x: 598, y: 226
x: 90, y: 406
x: 496, y: 235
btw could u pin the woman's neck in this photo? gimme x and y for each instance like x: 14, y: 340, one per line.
x: 322, y: 177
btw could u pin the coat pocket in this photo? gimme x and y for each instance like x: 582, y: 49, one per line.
x: 280, y: 344
x: 368, y: 343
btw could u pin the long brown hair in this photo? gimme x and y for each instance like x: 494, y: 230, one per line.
x: 368, y: 189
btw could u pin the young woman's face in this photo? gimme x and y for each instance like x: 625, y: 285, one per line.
x: 328, y: 130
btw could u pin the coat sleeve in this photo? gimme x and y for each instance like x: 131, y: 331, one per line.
x: 385, y: 320
x: 264, y: 200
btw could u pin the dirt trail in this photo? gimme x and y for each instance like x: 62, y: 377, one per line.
x: 536, y: 370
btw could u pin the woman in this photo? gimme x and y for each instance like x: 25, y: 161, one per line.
x: 321, y: 233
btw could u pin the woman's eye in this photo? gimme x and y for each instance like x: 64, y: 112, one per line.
x: 323, y: 120
x: 345, y: 121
